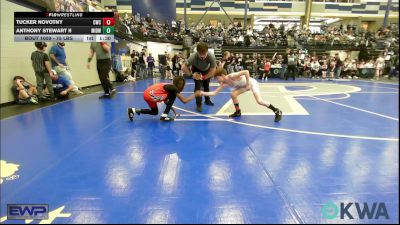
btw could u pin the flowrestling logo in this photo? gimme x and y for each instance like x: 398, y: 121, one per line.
x: 376, y: 210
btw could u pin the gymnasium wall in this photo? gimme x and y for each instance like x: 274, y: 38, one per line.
x: 160, y: 48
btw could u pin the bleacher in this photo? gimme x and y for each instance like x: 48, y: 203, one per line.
x: 267, y: 51
x: 270, y: 51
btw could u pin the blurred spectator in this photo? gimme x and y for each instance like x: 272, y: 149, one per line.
x: 168, y: 73
x: 61, y: 86
x: 350, y: 68
x: 291, y: 65
x: 150, y: 65
x: 324, y: 66
x: 388, y: 54
x: 315, y: 68
x: 24, y: 92
x: 394, y: 70
x: 338, y: 67
x: 379, y: 66
x: 42, y: 67
x: 134, y: 60
x: 59, y: 64
x: 141, y: 71
x: 162, y: 64
x: 267, y: 68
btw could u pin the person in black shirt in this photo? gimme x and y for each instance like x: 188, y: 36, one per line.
x: 394, y: 65
x: 148, y: 18
x: 226, y: 60
x: 162, y: 64
x: 249, y: 64
x: 339, y: 66
x: 285, y: 62
x: 175, y: 65
x: 142, y: 64
x: 134, y: 63
x: 291, y: 65
x: 150, y: 66
x: 42, y: 67
x: 162, y: 92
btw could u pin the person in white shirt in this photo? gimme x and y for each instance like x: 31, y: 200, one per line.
x: 379, y: 66
x: 353, y: 69
x: 369, y: 64
x: 315, y: 67
x: 241, y: 40
x: 168, y: 72
x: 173, y: 25
x: 234, y: 40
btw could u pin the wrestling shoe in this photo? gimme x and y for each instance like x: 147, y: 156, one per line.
x: 278, y: 115
x: 236, y: 114
x: 131, y: 113
x: 199, y: 108
x: 209, y: 102
x: 106, y: 95
x: 164, y: 117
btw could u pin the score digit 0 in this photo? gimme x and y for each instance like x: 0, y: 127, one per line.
x: 108, y: 30
x: 108, y: 21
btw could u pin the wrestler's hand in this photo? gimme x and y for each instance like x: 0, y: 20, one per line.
x: 197, y: 76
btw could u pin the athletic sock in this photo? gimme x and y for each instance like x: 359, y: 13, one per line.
x: 237, y: 108
x: 272, y: 107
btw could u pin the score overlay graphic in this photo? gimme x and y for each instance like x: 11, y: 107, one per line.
x: 64, y: 27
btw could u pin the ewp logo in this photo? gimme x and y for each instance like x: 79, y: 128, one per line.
x: 378, y: 209
x: 27, y: 212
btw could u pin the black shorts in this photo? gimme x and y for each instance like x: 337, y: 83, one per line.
x: 196, y: 70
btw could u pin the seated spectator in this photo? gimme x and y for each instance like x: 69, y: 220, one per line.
x: 59, y: 64
x: 369, y: 64
x: 315, y: 68
x: 150, y: 65
x: 346, y: 65
x: 307, y: 67
x: 260, y: 69
x: 352, y: 69
x: 324, y: 66
x: 24, y: 92
x: 61, y: 86
x: 332, y: 67
x: 360, y: 64
x: 276, y: 64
